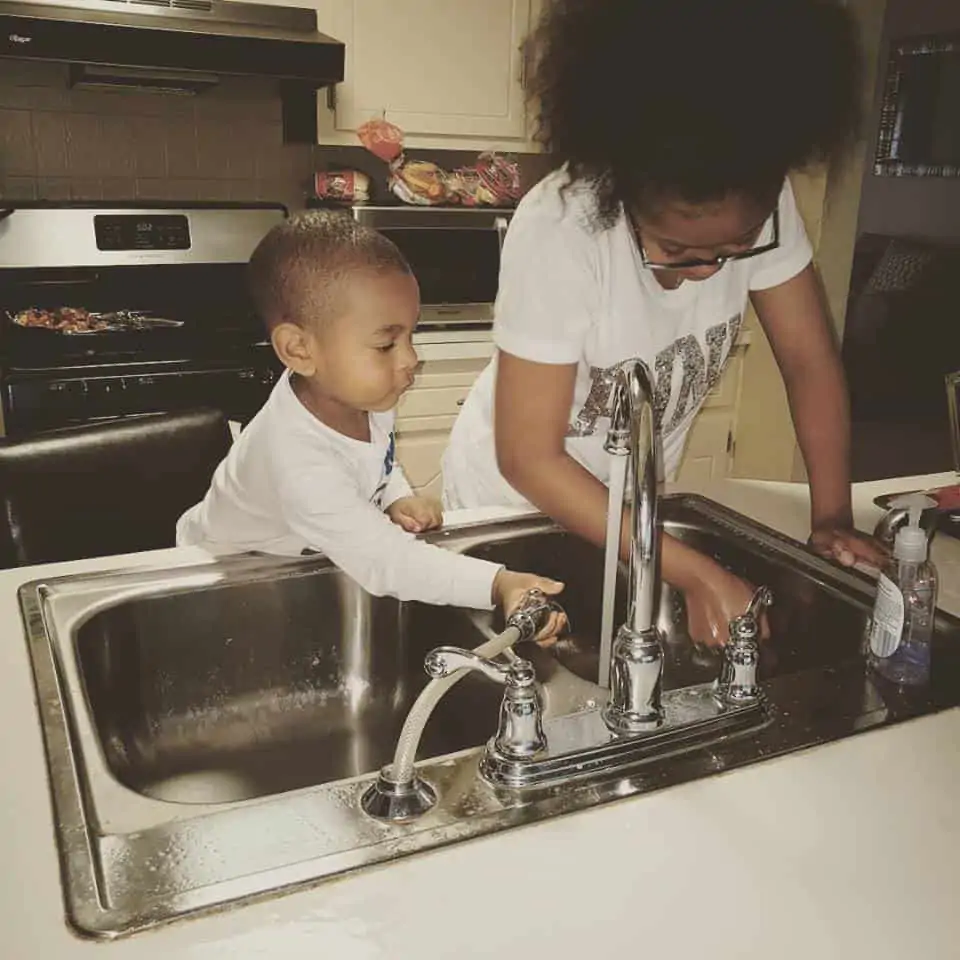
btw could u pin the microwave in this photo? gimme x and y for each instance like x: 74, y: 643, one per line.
x: 454, y: 253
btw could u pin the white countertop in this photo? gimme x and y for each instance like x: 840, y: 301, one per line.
x: 844, y: 851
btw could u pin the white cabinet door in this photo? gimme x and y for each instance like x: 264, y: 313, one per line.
x: 447, y: 72
x: 707, y: 454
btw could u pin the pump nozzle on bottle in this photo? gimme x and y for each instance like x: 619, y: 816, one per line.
x: 911, y: 542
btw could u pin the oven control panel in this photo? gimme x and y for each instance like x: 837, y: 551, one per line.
x: 44, y: 402
x: 116, y: 231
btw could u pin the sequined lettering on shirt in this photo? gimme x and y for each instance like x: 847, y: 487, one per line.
x: 699, y: 375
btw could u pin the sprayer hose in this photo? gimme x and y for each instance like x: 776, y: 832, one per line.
x: 401, y: 770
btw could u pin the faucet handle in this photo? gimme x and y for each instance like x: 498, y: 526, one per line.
x: 520, y: 730
x: 737, y: 683
x: 747, y: 625
x: 443, y: 661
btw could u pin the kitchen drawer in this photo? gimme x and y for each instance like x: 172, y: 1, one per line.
x: 431, y: 401
x: 409, y: 425
x: 439, y: 390
x: 449, y: 373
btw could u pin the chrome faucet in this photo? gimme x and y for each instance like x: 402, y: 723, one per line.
x: 636, y: 659
x: 638, y: 721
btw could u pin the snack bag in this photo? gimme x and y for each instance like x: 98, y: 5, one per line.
x: 491, y: 181
x: 346, y: 186
x: 382, y: 138
x: 419, y: 182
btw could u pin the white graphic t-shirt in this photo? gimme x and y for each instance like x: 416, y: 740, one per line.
x: 574, y: 293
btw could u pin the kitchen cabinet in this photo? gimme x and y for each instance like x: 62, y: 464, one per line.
x: 709, y: 445
x: 425, y: 416
x: 449, y: 73
x: 708, y: 454
x: 427, y: 412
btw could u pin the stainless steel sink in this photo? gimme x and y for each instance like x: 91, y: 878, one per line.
x: 812, y: 624
x: 263, y: 683
x: 210, y: 730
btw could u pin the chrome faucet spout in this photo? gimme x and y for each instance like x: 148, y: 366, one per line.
x: 644, y: 584
x: 637, y: 654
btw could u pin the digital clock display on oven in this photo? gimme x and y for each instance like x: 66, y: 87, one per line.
x: 133, y: 232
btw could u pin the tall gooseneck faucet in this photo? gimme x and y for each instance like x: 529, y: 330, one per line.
x: 636, y: 663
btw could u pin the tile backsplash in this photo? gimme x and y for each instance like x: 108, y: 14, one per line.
x: 58, y: 143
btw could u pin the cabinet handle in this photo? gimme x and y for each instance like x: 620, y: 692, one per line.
x: 461, y: 401
x: 522, y: 67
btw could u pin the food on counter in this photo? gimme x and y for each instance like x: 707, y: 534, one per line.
x: 347, y: 186
x: 62, y: 319
x: 419, y: 182
x: 382, y: 138
x: 491, y: 181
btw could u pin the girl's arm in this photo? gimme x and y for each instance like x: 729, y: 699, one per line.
x: 533, y: 402
x: 794, y: 319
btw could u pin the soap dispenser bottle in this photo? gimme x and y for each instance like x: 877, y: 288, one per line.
x: 900, y: 631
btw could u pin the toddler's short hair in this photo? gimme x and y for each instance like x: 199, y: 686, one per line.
x: 297, y: 268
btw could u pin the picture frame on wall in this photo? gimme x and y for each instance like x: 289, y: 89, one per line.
x: 919, y: 133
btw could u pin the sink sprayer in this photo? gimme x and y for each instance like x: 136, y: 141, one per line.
x: 399, y: 794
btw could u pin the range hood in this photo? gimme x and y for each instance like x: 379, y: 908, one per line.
x: 172, y: 37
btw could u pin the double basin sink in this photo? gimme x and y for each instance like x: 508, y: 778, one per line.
x: 210, y: 730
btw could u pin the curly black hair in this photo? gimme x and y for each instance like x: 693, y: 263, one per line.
x: 692, y: 99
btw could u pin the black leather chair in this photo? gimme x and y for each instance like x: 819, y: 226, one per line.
x: 107, y: 488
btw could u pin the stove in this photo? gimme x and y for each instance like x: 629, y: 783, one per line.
x: 161, y: 294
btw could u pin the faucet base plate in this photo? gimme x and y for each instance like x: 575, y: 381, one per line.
x: 581, y: 744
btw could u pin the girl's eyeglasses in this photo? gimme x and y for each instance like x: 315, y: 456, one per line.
x: 714, y: 261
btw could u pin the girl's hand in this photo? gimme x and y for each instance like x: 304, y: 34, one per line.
x: 847, y: 546
x: 714, y: 596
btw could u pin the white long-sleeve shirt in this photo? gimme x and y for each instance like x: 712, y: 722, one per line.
x: 290, y: 483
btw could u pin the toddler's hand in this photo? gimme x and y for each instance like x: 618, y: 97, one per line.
x: 509, y: 589
x: 416, y: 514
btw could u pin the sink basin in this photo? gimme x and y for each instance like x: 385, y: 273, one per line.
x: 210, y: 730
x: 811, y: 623
x: 252, y: 687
